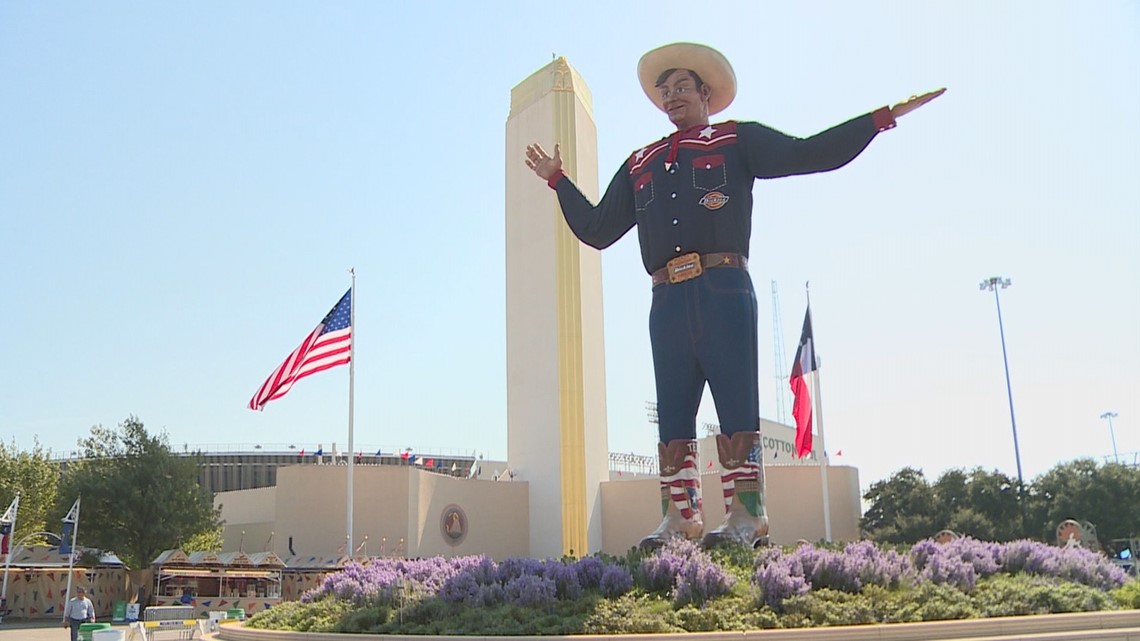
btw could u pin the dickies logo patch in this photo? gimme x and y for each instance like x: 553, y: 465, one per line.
x: 713, y: 200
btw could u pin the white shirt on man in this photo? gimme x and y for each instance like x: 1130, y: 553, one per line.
x: 79, y: 608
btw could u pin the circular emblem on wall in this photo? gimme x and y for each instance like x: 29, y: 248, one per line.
x: 453, y: 525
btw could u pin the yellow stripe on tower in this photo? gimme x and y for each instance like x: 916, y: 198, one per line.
x: 571, y: 395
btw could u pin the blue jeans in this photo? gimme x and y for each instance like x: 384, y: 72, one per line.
x: 704, y: 330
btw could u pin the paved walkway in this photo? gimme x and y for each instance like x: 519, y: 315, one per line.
x: 17, y: 630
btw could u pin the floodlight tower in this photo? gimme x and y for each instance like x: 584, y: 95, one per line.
x: 778, y: 357
x: 994, y: 284
x: 1109, y: 416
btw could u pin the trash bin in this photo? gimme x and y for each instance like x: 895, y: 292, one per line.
x: 236, y: 613
x: 85, y: 629
x: 108, y: 635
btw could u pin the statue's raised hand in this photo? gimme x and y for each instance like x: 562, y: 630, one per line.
x: 914, y: 102
x: 542, y: 163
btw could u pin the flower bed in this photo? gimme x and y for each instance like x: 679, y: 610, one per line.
x: 684, y: 588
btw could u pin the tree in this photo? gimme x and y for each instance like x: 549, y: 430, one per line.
x: 984, y: 505
x: 970, y: 522
x: 906, y: 509
x: 993, y: 496
x: 36, y: 478
x: 208, y: 541
x: 138, y: 497
x: 902, y: 508
x: 1105, y: 495
x: 952, y: 495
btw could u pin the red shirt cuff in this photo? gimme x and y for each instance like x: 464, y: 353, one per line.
x: 553, y: 181
x: 883, y: 118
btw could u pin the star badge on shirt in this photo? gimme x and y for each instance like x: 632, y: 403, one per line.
x: 707, y: 132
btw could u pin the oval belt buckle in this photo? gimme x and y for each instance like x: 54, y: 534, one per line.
x: 684, y: 268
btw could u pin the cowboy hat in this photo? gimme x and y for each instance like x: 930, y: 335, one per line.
x: 708, y: 63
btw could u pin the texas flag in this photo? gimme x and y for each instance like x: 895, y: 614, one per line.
x: 801, y: 408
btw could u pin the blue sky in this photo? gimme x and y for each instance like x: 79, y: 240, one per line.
x: 183, y: 187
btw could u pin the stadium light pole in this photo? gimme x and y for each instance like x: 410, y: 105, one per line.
x: 994, y: 284
x: 1109, y: 416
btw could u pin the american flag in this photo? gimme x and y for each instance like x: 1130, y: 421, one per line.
x: 326, y: 346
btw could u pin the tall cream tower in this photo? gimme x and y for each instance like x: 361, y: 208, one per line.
x: 556, y: 384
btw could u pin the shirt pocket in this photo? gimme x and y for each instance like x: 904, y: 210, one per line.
x: 643, y: 190
x: 709, y: 172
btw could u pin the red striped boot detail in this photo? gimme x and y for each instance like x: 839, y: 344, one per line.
x: 680, y: 493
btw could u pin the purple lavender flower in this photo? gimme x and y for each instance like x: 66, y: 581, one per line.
x: 701, y: 580
x: 515, y: 567
x: 565, y: 579
x: 590, y: 570
x: 1072, y: 564
x: 946, y: 569
x: 984, y: 556
x: 489, y: 595
x: 616, y: 581
x: 530, y: 591
x: 682, y: 568
x: 779, y: 576
x: 658, y: 573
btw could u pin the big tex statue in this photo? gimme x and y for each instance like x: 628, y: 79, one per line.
x: 690, y: 196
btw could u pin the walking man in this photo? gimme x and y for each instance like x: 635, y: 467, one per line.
x: 690, y: 196
x: 79, y: 610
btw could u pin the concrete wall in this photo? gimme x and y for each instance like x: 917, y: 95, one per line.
x: 252, y: 512
x: 398, y: 508
x: 497, y: 516
x: 401, y: 511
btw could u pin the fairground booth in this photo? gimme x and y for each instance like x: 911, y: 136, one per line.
x: 210, y: 581
x: 37, y: 581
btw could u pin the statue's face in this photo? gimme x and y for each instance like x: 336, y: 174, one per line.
x: 686, y: 104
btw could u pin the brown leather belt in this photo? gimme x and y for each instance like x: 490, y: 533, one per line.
x: 690, y: 266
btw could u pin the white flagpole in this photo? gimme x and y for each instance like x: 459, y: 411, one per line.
x: 11, y: 520
x: 817, y: 412
x: 823, y: 459
x: 351, y: 386
x: 71, y: 556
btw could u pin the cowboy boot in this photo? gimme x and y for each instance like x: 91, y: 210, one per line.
x: 680, y: 493
x: 742, y: 477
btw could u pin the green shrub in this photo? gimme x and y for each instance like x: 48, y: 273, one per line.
x: 432, y: 616
x: 926, y: 602
x: 366, y: 619
x: 1128, y: 596
x: 632, y: 614
x: 1031, y: 594
x: 320, y: 616
x: 730, y: 612
x: 827, y: 607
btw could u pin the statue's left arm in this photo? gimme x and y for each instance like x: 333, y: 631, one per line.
x: 773, y: 154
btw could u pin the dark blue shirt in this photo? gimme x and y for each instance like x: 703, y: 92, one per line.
x: 692, y: 191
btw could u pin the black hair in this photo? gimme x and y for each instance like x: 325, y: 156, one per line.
x: 668, y: 72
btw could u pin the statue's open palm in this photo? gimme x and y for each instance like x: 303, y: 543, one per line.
x: 542, y: 163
